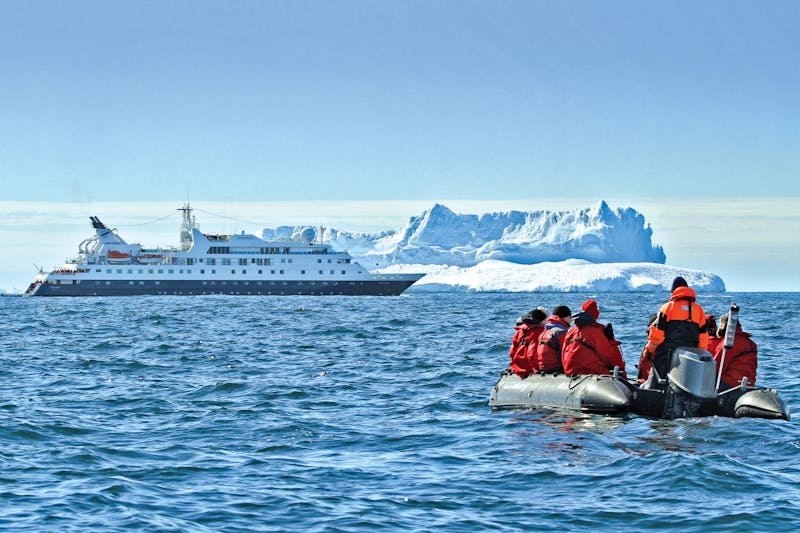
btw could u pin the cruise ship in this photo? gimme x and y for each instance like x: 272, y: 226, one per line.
x: 243, y: 264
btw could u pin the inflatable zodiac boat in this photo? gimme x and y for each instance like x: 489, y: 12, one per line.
x: 688, y: 390
x: 691, y: 388
x: 588, y: 393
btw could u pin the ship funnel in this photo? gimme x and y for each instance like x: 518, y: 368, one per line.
x: 96, y: 224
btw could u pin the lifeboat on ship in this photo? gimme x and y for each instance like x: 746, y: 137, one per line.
x: 150, y: 257
x: 116, y: 257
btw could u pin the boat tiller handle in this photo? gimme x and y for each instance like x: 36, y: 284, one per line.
x: 730, y: 335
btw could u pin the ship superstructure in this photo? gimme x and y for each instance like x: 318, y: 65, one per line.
x: 202, y: 263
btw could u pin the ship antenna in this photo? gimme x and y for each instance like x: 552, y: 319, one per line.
x: 187, y: 225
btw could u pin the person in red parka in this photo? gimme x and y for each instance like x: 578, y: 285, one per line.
x: 713, y: 340
x: 590, y: 347
x: 548, y: 349
x: 528, y: 329
x: 741, y: 361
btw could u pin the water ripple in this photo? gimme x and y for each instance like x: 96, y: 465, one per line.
x: 242, y: 413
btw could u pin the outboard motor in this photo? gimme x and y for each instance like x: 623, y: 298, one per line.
x: 691, y: 388
x: 692, y: 379
x: 693, y: 371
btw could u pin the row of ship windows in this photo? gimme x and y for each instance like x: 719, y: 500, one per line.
x: 270, y: 283
x: 203, y: 271
x: 225, y: 261
x: 253, y: 261
x: 265, y: 250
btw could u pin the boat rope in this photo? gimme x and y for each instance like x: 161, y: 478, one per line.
x: 577, y: 379
x: 213, y: 214
x: 235, y: 219
x: 148, y: 222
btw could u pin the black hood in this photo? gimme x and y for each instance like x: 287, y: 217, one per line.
x: 583, y: 318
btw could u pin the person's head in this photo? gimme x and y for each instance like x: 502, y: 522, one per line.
x: 563, y: 312
x: 711, y: 325
x: 539, y: 315
x: 678, y: 282
x: 590, y: 307
x: 536, y: 316
x: 723, y: 324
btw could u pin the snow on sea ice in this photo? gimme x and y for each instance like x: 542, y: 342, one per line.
x: 572, y: 275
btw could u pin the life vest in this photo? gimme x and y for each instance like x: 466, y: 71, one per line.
x: 741, y: 361
x: 548, y: 349
x: 586, y: 349
x: 678, y: 332
x: 680, y: 322
x: 525, y: 336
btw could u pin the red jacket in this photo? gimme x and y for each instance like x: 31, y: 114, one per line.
x: 525, y: 336
x: 740, y: 361
x: 714, y: 343
x: 548, y: 349
x: 588, y: 351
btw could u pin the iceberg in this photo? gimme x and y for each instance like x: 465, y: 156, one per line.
x: 572, y: 275
x: 598, y: 248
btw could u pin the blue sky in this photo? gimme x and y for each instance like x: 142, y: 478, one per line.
x: 633, y: 102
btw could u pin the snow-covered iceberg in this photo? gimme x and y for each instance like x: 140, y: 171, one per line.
x: 439, y: 236
x: 564, y: 276
x: 595, y: 249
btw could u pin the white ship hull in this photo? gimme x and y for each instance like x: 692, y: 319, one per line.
x: 382, y: 286
x: 212, y: 264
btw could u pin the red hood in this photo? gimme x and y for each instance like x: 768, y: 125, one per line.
x: 683, y: 293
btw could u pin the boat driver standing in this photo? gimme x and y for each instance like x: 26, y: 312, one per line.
x: 679, y: 322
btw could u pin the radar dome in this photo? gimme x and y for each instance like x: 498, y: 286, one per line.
x: 307, y: 234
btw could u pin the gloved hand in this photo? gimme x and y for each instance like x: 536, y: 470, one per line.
x: 711, y: 325
x: 608, y: 331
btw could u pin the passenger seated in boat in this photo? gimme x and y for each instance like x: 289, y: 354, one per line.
x: 679, y: 322
x: 644, y: 361
x: 551, y: 343
x: 741, y: 361
x: 528, y: 329
x: 590, y: 347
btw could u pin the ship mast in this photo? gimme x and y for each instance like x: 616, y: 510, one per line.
x: 187, y: 225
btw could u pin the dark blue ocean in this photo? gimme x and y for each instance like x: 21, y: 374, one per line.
x: 217, y: 413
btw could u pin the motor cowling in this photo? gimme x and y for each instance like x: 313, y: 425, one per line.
x: 693, y: 371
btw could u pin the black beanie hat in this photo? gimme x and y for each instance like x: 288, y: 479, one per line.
x: 534, y: 317
x: 562, y: 311
x: 538, y: 315
x: 678, y: 282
